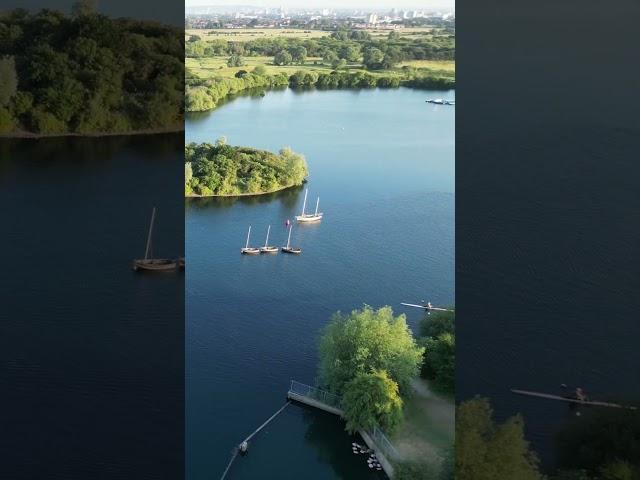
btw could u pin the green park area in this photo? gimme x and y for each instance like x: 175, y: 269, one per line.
x: 228, y: 61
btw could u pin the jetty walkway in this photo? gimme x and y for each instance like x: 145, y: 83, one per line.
x: 376, y: 440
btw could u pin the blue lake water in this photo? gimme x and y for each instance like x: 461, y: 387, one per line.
x: 382, y: 162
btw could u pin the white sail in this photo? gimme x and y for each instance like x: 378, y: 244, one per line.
x: 248, y: 234
x: 304, y: 204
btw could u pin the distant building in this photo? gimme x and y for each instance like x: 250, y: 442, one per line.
x: 372, y: 19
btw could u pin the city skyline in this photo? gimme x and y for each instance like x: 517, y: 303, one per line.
x: 333, y: 4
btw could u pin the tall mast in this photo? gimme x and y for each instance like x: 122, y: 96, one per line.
x: 317, y: 205
x: 266, y: 242
x: 248, y: 233
x: 289, y: 239
x: 304, y: 204
x: 153, y: 217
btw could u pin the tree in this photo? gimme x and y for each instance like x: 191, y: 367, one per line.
x: 84, y: 7
x: 437, y: 323
x: 394, y: 35
x: 339, y: 63
x: 349, y: 51
x: 437, y: 335
x: 235, y: 61
x: 440, y: 360
x: 372, y: 399
x: 486, y: 451
x: 368, y: 340
x: 298, y: 54
x: 392, y: 57
x: 329, y: 57
x: 8, y: 80
x: 282, y: 58
x: 372, y: 58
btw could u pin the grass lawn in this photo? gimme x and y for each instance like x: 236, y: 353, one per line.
x: 429, y: 425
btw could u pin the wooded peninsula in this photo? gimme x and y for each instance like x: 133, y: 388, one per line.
x: 225, y: 170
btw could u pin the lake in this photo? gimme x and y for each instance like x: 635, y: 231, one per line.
x: 382, y: 162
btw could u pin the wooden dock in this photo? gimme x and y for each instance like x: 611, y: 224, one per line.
x: 329, y: 402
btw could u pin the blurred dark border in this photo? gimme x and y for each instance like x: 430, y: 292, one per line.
x: 91, y: 354
x: 547, y: 249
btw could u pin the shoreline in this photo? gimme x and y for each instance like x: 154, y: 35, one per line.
x: 230, y: 96
x: 256, y: 194
x: 37, y: 136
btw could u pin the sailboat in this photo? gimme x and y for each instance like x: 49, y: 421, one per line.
x: 247, y: 250
x: 289, y: 248
x: 268, y: 248
x: 308, y: 217
x: 153, y: 264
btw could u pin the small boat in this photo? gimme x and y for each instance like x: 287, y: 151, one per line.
x: 247, y: 250
x: 308, y: 217
x: 289, y: 248
x: 153, y: 264
x: 268, y: 248
x: 578, y: 398
x: 427, y: 306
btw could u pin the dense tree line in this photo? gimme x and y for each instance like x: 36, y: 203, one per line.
x: 438, y: 337
x: 223, y: 169
x: 88, y: 73
x: 349, y: 45
x: 202, y: 95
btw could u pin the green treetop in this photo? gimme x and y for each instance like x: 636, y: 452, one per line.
x: 368, y: 340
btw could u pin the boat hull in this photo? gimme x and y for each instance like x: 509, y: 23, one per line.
x: 292, y: 250
x: 250, y: 251
x: 268, y: 249
x: 308, y: 218
x: 155, y: 265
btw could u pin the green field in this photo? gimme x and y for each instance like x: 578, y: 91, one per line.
x: 217, y: 66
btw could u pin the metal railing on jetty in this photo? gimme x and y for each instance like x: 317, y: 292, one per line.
x: 315, y: 393
x: 384, y: 444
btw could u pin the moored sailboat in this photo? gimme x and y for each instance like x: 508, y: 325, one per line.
x: 153, y: 264
x: 268, y: 248
x: 247, y: 250
x: 289, y: 248
x: 309, y: 217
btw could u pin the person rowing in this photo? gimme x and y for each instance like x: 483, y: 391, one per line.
x: 581, y: 396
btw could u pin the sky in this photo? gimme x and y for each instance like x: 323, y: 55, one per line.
x: 359, y: 4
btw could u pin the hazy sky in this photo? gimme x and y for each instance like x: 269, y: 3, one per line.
x: 360, y: 4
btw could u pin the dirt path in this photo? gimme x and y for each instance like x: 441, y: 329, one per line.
x: 429, y: 425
